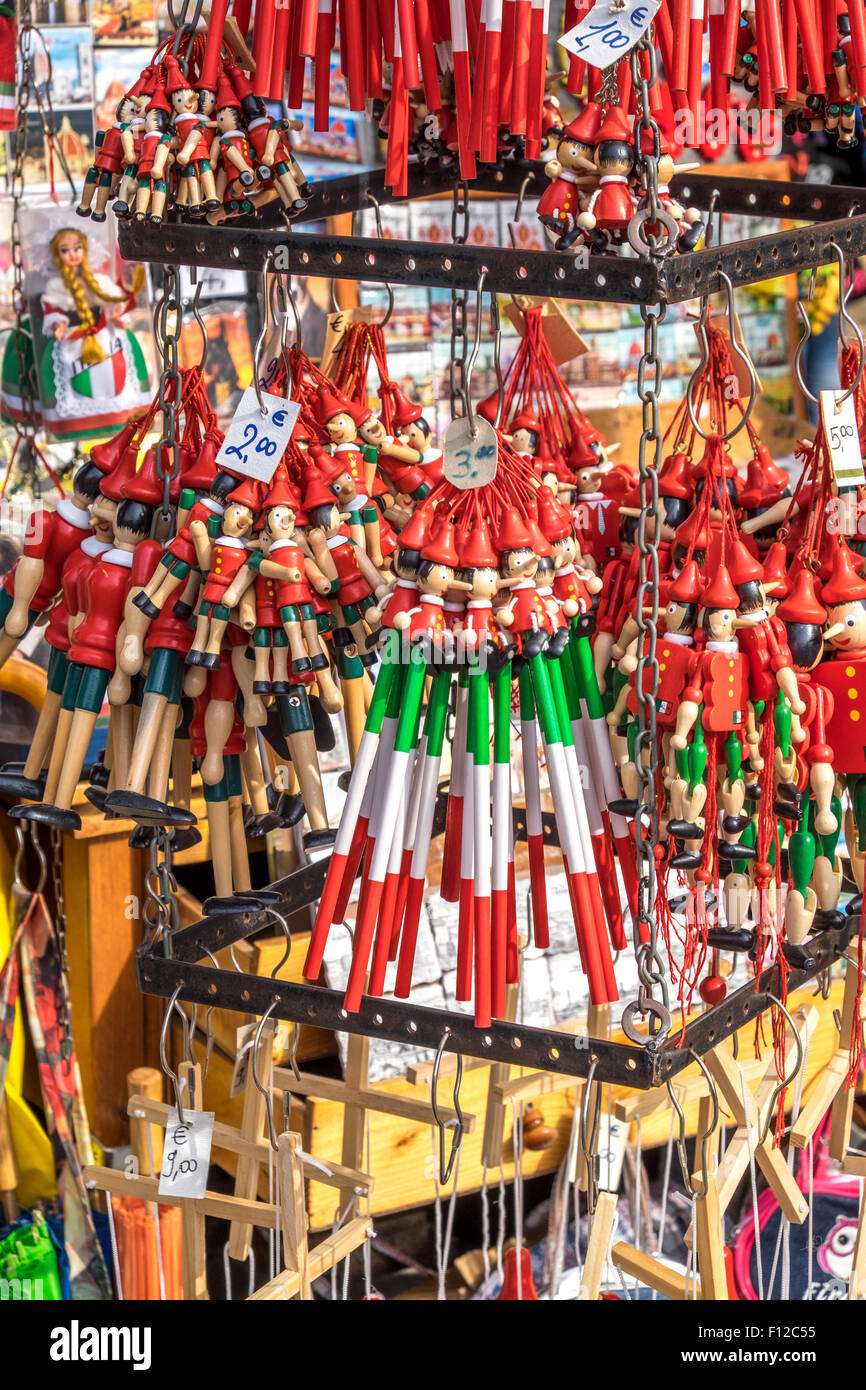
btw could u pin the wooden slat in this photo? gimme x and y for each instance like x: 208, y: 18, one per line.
x: 193, y: 1253
x: 365, y: 1098
x: 597, y: 1247
x: 326, y: 1254
x: 648, y: 1271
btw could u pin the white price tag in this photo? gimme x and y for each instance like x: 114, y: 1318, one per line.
x: 186, y: 1156
x: 255, y: 443
x: 843, y: 439
x: 470, y: 460
x: 608, y: 33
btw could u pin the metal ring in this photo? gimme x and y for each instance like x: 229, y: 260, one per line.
x: 163, y: 1057
x: 650, y: 1006
x: 638, y: 243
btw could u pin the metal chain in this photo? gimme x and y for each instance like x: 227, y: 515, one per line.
x: 28, y: 424
x: 160, y: 885
x: 167, y: 325
x: 459, y: 301
x: 647, y: 164
x: 650, y: 965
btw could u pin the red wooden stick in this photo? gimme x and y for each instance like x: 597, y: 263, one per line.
x: 408, y: 42
x: 352, y: 53
x: 241, y: 11
x: 730, y: 35
x: 858, y: 42
x: 775, y: 43
x: 263, y: 41
x: 696, y: 45
x: 211, y: 59
x: 810, y: 42
x: 427, y: 53
x: 279, y: 54
x: 324, y: 44
x: 308, y: 12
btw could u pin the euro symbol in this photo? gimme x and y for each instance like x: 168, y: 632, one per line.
x: 638, y: 18
x: 279, y: 418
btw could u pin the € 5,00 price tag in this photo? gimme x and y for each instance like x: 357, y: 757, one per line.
x: 609, y: 32
x: 255, y: 443
x: 186, y: 1156
x: 469, y: 459
x: 843, y: 438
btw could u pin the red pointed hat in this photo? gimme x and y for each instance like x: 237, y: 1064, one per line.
x: 226, y: 94
x: 315, y: 492
x: 246, y: 494
x: 844, y: 584
x: 329, y: 402
x: 580, y: 455
x: 174, y: 79
x: 405, y: 412
x: 615, y: 126
x: 145, y: 486
x: 525, y: 420
x: 107, y: 456
x: 693, y: 529
x: 674, y: 479
x: 113, y: 483
x: 720, y: 592
x: 281, y: 493
x: 360, y: 412
x: 775, y: 567
x: 488, y: 407
x: 202, y: 471
x: 440, y: 546
x: 539, y: 542
x: 513, y: 533
x: 417, y: 529
x: 239, y: 81
x: 586, y: 125
x: 554, y: 520
x: 647, y: 145
x: 686, y: 588
x: 742, y: 565
x: 158, y: 100
x: 802, y: 604
x: 478, y: 551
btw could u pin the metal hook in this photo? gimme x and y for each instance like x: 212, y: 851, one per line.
x: 163, y: 1056
x: 518, y: 211
x: 589, y: 1145
x: 845, y: 317
x: 467, y: 376
x: 21, y: 837
x: 457, y: 1124
x: 379, y: 233
x: 786, y: 1080
x: 496, y: 325
x: 737, y: 350
x: 264, y: 333
x: 711, y: 1128
x: 196, y: 313
x: 287, y: 934
x: 269, y: 1107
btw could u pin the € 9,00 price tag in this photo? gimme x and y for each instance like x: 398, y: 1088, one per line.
x: 609, y: 31
x: 469, y: 459
x: 255, y: 443
x: 843, y: 438
x: 186, y: 1155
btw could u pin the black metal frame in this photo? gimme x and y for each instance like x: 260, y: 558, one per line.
x: 837, y: 215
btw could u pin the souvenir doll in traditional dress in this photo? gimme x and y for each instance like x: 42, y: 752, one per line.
x: 573, y: 168
x: 114, y: 151
x: 151, y: 189
x: 611, y: 206
x: 231, y: 151
x: 343, y: 572
x: 92, y: 372
x: 269, y: 140
x: 523, y: 614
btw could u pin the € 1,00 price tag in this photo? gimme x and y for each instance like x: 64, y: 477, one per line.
x: 469, y: 459
x: 843, y: 438
x: 255, y: 443
x: 609, y: 32
x: 186, y: 1155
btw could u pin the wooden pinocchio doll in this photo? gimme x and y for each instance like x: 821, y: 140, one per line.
x: 560, y: 204
x: 414, y: 431
x: 479, y: 571
x: 211, y: 488
x: 151, y: 185
x: 226, y: 556
x: 343, y: 571
x: 111, y: 157
x: 523, y: 614
x: 230, y: 151
x: 197, y: 185
x: 403, y: 592
x: 436, y: 576
x: 611, y: 206
x: 268, y: 138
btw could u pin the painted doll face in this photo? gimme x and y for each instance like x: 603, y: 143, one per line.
x: 569, y: 152
x: 237, y: 519
x: 564, y: 551
x: 344, y: 487
x: 127, y: 110
x: 280, y: 523
x: 206, y: 101
x: 186, y: 99
x: 102, y: 518
x: 525, y: 441
x: 414, y: 437
x: 372, y: 431
x: 853, y: 618
x: 484, y: 581
x: 70, y: 250
x: 719, y: 624
x: 679, y: 617
x: 341, y: 428
x: 438, y: 580
x: 227, y: 119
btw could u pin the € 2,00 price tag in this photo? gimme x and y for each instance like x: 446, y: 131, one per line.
x: 609, y: 32
x: 186, y: 1155
x: 469, y: 459
x: 255, y: 443
x: 843, y: 438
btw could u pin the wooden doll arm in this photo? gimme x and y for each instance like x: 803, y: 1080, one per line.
x: 618, y: 710
x: 184, y: 154
x: 319, y: 580
x: 202, y: 543
x: 159, y: 162
x: 687, y: 716
x: 127, y: 142
x: 234, y: 156
x: 368, y: 569
x: 787, y: 682
x: 238, y: 587
x: 27, y: 578
x: 214, y: 149
x: 247, y: 611
x: 627, y: 635
x: 290, y: 574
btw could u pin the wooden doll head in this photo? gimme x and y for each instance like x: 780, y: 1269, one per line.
x: 674, y: 511
x: 806, y: 645
x: 280, y: 523
x: 852, y: 617
x: 587, y: 480
x: 434, y: 578
x: 406, y: 562
x: 544, y: 572
x: 343, y: 488
x: 102, y: 518
x: 156, y: 119
x: 184, y: 100
x: 416, y: 434
x: 132, y: 523
x: 680, y: 617
x: 718, y: 623
x: 483, y: 582
x: 85, y: 485
x: 666, y: 168
x: 207, y: 101
x: 341, y: 428
x: 614, y: 157
x: 126, y: 110
x: 570, y: 153
x: 237, y: 519
x: 372, y: 431
x: 518, y: 564
x: 325, y: 519
x: 564, y: 550
x: 525, y: 441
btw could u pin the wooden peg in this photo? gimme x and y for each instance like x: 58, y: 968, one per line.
x: 145, y: 1081
x: 710, y: 1244
x: 494, y: 1116
x: 842, y: 1112
x: 193, y: 1265
x: 252, y: 1128
x: 648, y: 1271
x: 293, y: 1211
x: 354, y: 1116
x: 598, y: 1245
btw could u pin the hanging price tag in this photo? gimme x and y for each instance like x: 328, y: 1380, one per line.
x: 469, y: 460
x: 186, y: 1156
x: 255, y: 443
x: 609, y: 32
x: 843, y: 439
